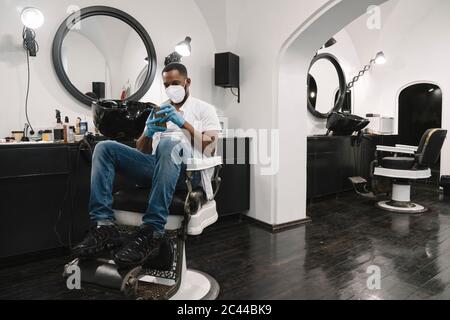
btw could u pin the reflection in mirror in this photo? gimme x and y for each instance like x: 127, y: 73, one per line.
x: 141, y: 78
x: 347, y: 107
x: 312, y: 90
x: 326, y: 80
x: 105, y: 58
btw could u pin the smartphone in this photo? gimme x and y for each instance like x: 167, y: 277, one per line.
x: 155, y: 116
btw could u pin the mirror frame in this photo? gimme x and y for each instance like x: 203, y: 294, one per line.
x: 84, y: 13
x: 342, y: 85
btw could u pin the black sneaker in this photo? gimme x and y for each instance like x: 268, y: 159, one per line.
x: 164, y: 260
x: 142, y: 246
x: 98, y: 240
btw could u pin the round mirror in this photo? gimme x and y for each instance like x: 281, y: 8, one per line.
x: 103, y: 53
x: 324, y: 75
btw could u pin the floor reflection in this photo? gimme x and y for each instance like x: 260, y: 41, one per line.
x: 326, y: 259
x: 329, y: 258
x: 411, y: 251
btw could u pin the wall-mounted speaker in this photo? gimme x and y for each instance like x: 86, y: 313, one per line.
x: 99, y: 89
x: 227, y: 70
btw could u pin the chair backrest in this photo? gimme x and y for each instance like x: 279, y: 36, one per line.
x: 430, y: 147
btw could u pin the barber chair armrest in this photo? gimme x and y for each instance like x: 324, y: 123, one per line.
x: 403, y: 146
x: 396, y: 150
x: 195, y: 164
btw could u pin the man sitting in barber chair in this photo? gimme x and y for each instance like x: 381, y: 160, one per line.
x: 192, y: 131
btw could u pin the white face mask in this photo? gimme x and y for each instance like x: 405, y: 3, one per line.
x: 176, y: 94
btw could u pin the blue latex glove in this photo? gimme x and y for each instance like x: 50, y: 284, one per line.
x: 152, y: 128
x: 172, y: 115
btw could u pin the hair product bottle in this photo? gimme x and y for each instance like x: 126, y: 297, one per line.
x: 58, y: 131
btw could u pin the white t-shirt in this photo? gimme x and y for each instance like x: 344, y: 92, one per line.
x: 201, y: 115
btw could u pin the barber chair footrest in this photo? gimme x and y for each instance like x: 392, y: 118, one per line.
x: 357, y: 180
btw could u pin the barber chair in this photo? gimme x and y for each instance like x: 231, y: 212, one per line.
x: 165, y: 276
x: 406, y: 164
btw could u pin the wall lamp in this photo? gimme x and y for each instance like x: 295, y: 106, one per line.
x: 182, y: 49
x: 379, y: 59
x: 329, y: 43
x: 32, y: 19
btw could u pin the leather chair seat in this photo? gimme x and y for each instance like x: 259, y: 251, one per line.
x: 398, y: 163
x: 136, y: 200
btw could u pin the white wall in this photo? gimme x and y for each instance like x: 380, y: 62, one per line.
x: 48, y: 94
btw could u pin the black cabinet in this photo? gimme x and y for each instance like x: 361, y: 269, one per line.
x: 40, y: 206
x: 332, y: 160
x: 234, y: 193
x: 45, y: 188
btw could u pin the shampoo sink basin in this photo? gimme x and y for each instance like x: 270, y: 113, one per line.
x: 342, y: 124
x: 121, y: 120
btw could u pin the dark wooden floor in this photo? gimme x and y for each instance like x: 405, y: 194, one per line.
x: 326, y: 259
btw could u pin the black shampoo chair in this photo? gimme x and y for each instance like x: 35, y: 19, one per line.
x: 406, y: 164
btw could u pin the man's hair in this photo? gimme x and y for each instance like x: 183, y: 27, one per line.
x: 176, y: 66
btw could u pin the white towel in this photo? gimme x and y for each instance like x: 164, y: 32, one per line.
x: 207, y: 176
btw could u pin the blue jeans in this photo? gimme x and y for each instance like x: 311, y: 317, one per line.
x: 164, y: 171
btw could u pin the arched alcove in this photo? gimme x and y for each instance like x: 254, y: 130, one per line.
x: 289, y: 185
x: 419, y: 109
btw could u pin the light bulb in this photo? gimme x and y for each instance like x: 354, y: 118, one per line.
x: 184, y: 47
x: 380, y: 58
x: 183, y: 50
x: 32, y: 18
